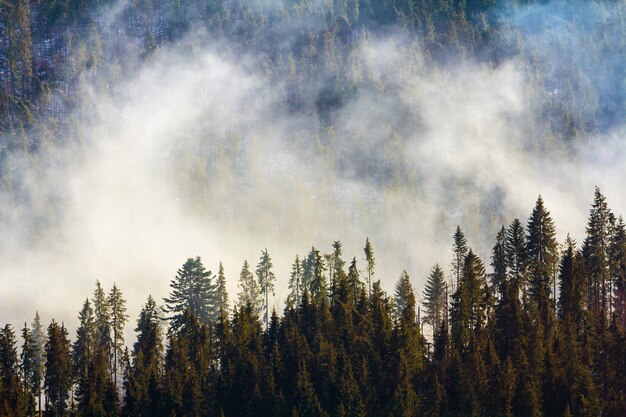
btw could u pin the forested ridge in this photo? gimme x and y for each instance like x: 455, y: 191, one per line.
x: 541, y: 334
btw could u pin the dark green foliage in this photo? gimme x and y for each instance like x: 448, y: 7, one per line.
x: 346, y: 352
x: 435, y: 303
x: 192, y: 289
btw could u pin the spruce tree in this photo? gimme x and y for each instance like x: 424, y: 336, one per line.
x: 12, y: 395
x: 370, y: 263
x: 58, y: 379
x: 516, y: 255
x: 459, y: 252
x: 39, y: 340
x: 118, y: 320
x: 499, y: 261
x: 596, y: 253
x: 617, y: 255
x: 403, y: 295
x: 192, y: 289
x: 295, y: 284
x: 266, y: 279
x: 434, y: 296
x: 542, y: 257
x: 250, y: 293
x: 221, y: 294
x: 27, y: 368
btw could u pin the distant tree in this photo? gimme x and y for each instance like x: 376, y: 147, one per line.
x: 403, y: 294
x: 459, y: 251
x: 141, y: 388
x: 221, y: 294
x: 354, y: 280
x: 117, y: 305
x: 595, y: 250
x: 617, y: 257
x: 102, y: 321
x: 295, y: 284
x: 39, y: 340
x: 192, y: 289
x: 435, y: 298
x: 27, y: 368
x: 13, y: 400
x: 516, y: 254
x: 58, y: 379
x: 542, y: 256
x: 371, y: 263
x: 499, y: 261
x: 266, y: 279
x: 314, y: 273
x: 250, y: 292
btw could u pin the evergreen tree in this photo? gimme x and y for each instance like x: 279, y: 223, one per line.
x: 314, y: 274
x: 141, y: 387
x: 435, y: 298
x: 102, y: 321
x: 371, y: 263
x: 499, y: 261
x: 459, y: 251
x: 354, y: 280
x: 58, y: 379
x: 221, y: 293
x: 192, y: 289
x: 83, y: 351
x: 12, y: 396
x: 596, y: 253
x: 250, y: 293
x: 295, y: 284
x: 27, y: 368
x: 266, y: 279
x: 119, y: 318
x: 403, y: 294
x: 516, y: 255
x: 542, y: 257
x: 38, y: 339
x: 617, y: 252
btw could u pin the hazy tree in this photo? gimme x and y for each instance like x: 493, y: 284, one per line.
x: 249, y: 293
x: 435, y: 298
x: 119, y: 318
x: 371, y: 263
x: 266, y: 279
x: 192, y: 290
x: 459, y: 252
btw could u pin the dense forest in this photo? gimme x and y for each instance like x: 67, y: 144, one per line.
x: 541, y: 335
x: 536, y: 328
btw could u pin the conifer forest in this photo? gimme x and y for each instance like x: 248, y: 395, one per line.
x: 312, y: 208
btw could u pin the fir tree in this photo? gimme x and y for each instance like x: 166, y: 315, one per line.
x: 221, y: 294
x: 435, y: 298
x: 516, y: 255
x: 58, y: 379
x: 403, y: 295
x: 118, y: 320
x: 371, y: 263
x: 295, y: 284
x: 499, y: 261
x: 266, y: 279
x: 192, y: 289
x: 596, y: 251
x: 617, y: 251
x: 459, y: 251
x: 38, y: 338
x: 250, y: 293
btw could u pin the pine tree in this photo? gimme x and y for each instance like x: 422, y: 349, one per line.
x: 27, y: 368
x: 516, y: 255
x: 295, y: 284
x: 595, y: 251
x: 542, y: 257
x: 83, y: 351
x: 192, y: 289
x: 435, y: 298
x: 617, y: 251
x: 266, y: 279
x: 499, y: 261
x: 12, y: 398
x: 141, y: 386
x: 58, y: 379
x: 354, y: 281
x: 403, y: 295
x: 102, y: 321
x: 459, y: 251
x: 250, y: 293
x: 221, y: 294
x: 371, y: 263
x: 118, y: 319
x: 38, y: 338
x: 314, y: 273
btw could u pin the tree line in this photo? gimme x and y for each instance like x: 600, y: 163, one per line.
x: 541, y: 334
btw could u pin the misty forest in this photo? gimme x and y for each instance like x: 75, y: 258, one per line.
x: 323, y: 198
